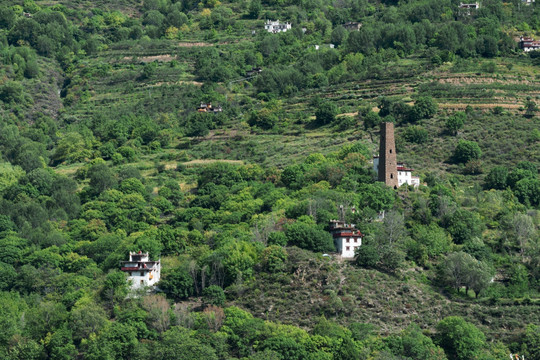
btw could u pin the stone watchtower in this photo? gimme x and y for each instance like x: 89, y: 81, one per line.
x: 387, y: 156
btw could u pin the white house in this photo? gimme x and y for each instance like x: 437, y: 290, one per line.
x: 529, y: 44
x: 346, y: 238
x: 141, y: 271
x: 466, y: 9
x: 276, y: 27
x: 405, y: 176
x: 404, y: 173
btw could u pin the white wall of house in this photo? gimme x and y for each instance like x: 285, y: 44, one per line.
x: 141, y: 271
x: 346, y: 246
x: 142, y: 279
x: 276, y: 26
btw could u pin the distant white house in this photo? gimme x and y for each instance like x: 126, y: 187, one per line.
x: 330, y: 46
x: 466, y: 9
x: 346, y: 238
x: 404, y: 173
x: 276, y: 27
x: 352, y: 26
x: 141, y: 271
x: 529, y: 44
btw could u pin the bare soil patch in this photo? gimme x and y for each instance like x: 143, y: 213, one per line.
x: 148, y: 59
x: 193, y: 44
x: 480, y: 106
x: 211, y: 161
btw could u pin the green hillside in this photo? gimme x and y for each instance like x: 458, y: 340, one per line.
x: 107, y: 146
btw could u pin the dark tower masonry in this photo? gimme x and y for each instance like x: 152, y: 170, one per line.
x: 387, y: 156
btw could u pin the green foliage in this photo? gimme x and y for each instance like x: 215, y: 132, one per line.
x: 497, y: 178
x: 11, y: 92
x: 412, y: 343
x: 461, y: 269
x: 101, y: 178
x: 460, y: 339
x: 178, y: 283
x: 326, y: 113
x: 463, y: 225
x: 254, y: 9
x: 273, y: 258
x: 423, y: 108
x: 307, y: 235
x: 214, y: 295
x: 531, y: 342
x: 455, y: 122
x: 179, y: 344
x: 416, y: 134
x: 9, y: 175
x: 466, y: 151
x: 82, y: 80
x: 367, y: 256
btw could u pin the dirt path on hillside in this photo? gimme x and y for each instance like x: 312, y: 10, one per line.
x: 211, y: 161
x: 480, y: 106
x: 148, y: 59
x: 194, y: 44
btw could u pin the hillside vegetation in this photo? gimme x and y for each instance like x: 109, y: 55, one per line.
x: 103, y: 151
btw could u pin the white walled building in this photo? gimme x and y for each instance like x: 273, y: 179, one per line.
x: 276, y: 27
x: 404, y: 173
x: 346, y: 238
x: 529, y: 44
x: 141, y: 271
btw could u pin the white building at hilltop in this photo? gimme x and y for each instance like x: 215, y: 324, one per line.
x: 141, y: 271
x: 276, y: 27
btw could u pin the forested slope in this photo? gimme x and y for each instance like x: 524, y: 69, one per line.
x: 103, y: 151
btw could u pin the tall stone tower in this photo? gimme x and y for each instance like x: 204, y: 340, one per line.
x: 387, y: 156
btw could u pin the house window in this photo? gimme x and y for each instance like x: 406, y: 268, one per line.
x: 347, y: 240
x: 130, y: 274
x: 348, y: 248
x: 142, y: 282
x: 390, y: 151
x: 355, y: 240
x: 391, y: 176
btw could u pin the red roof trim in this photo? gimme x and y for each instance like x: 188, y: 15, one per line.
x: 348, y: 234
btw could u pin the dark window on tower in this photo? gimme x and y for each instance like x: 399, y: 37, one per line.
x: 391, y: 176
x: 390, y: 151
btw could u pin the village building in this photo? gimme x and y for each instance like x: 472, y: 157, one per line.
x: 389, y: 171
x: 254, y: 71
x: 142, y: 272
x: 467, y: 9
x: 346, y: 238
x: 276, y: 27
x: 209, y: 108
x: 529, y: 44
x: 352, y: 26
x: 330, y: 46
x: 404, y: 174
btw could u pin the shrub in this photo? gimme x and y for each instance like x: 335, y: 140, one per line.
x: 416, y: 134
x: 273, y: 258
x: 455, y: 122
x: 497, y: 178
x: 309, y: 236
x: 214, y: 295
x: 466, y: 151
x: 460, y: 339
x: 326, y: 113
